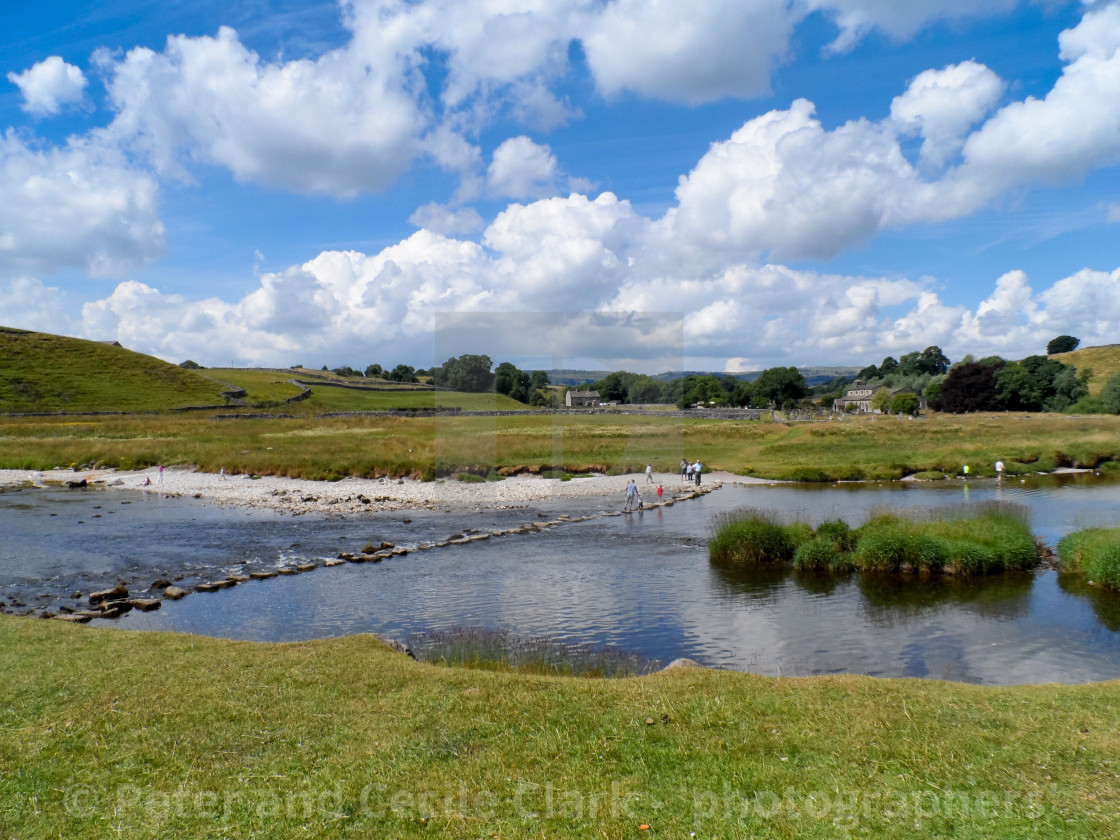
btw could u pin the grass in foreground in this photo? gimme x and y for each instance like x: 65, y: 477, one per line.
x: 969, y: 540
x: 1093, y: 552
x: 105, y: 733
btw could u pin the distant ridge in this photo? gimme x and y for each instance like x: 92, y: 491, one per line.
x: 40, y: 372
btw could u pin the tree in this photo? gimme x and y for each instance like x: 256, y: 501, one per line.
x: 880, y: 400
x: 1110, y: 394
x: 933, y: 361
x: 933, y: 395
x: 1062, y: 344
x: 869, y: 372
x: 780, y: 386
x: 403, y: 373
x: 512, y: 382
x: 889, y: 366
x: 190, y: 364
x: 465, y: 373
x: 375, y: 371
x: 971, y: 386
x: 905, y: 403
x: 539, y: 379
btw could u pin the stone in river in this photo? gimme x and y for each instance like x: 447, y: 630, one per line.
x: 307, y: 567
x: 174, y: 593
x: 117, y: 593
x: 262, y: 575
x: 162, y: 583
x: 146, y: 604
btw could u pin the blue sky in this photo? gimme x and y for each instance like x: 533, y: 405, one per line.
x: 271, y: 182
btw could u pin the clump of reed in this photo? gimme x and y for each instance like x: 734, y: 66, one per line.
x: 750, y: 536
x: 498, y: 650
x: 1094, y: 552
x: 962, y: 539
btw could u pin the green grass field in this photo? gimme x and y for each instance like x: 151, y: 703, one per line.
x: 108, y: 734
x: 316, y: 447
x: 268, y: 388
x: 40, y: 372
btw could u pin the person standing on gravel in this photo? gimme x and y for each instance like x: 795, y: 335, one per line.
x: 697, y: 468
x: 649, y: 473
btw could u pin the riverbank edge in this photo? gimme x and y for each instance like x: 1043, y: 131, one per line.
x: 92, y: 715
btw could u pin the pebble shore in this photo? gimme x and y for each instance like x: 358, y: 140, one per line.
x: 353, y: 495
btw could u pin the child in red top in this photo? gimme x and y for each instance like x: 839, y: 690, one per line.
x: 660, y: 490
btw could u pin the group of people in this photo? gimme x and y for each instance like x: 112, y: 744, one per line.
x: 634, y: 498
x: 691, y: 472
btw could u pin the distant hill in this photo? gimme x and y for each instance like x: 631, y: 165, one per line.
x: 813, y: 375
x: 1104, y: 360
x: 41, y: 372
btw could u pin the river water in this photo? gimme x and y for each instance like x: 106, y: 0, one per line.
x: 641, y: 583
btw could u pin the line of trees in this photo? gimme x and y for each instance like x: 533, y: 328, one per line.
x: 775, y: 387
x: 1035, y: 383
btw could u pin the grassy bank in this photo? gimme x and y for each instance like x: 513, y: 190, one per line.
x: 107, y: 734
x: 970, y: 540
x: 316, y: 447
x: 1093, y: 552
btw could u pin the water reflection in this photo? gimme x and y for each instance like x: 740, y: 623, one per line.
x: 893, y: 598
x: 1105, y: 603
x: 640, y: 583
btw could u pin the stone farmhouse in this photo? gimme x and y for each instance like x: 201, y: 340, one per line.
x: 581, y: 399
x: 858, y: 395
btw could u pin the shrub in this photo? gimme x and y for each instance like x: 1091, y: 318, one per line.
x: 469, y: 478
x: 754, y: 538
x: 1094, y: 552
x: 817, y: 553
x: 839, y: 533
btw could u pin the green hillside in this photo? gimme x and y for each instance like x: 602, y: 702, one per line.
x: 1104, y: 360
x: 41, y: 372
x: 266, y: 388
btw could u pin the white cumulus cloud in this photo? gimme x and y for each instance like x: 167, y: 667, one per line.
x: 76, y: 206
x: 943, y: 105
x: 521, y: 168
x: 49, y: 86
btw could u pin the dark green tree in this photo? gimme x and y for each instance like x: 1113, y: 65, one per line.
x: 888, y: 366
x: 1062, y: 344
x: 905, y: 402
x: 465, y: 373
x: 512, y: 382
x: 781, y: 386
x: 190, y: 364
x: 403, y: 373
x: 1110, y: 394
x: 375, y: 371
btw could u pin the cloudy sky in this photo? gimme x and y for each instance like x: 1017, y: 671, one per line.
x: 273, y: 182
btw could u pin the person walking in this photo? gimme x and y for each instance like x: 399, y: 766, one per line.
x: 688, y: 474
x: 684, y: 470
x: 697, y: 469
x: 999, y: 471
x: 631, y: 494
x: 649, y: 473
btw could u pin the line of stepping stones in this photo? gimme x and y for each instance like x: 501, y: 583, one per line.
x: 115, y: 602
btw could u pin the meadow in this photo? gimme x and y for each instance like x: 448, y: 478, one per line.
x: 1094, y: 553
x: 108, y: 733
x: 310, y: 446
